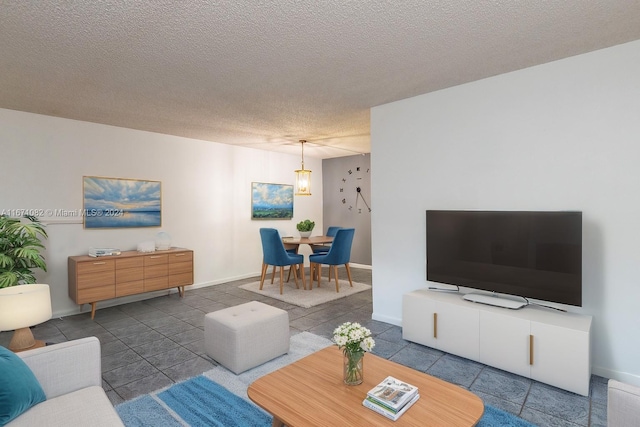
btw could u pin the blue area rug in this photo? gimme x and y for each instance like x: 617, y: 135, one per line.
x: 497, y: 417
x: 195, y: 402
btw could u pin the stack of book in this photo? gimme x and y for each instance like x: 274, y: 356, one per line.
x: 391, y: 398
x: 96, y: 252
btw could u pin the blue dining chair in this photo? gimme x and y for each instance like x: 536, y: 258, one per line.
x: 292, y: 249
x: 339, y: 254
x: 317, y: 249
x: 275, y: 254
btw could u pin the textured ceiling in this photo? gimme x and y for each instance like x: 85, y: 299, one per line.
x: 265, y: 73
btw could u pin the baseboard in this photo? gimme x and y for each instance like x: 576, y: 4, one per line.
x: 363, y: 266
x: 387, y: 319
x: 624, y: 377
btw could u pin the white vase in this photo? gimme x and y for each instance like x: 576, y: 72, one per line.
x: 305, y: 233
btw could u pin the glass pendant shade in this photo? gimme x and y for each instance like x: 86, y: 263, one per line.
x: 303, y: 177
x: 303, y: 182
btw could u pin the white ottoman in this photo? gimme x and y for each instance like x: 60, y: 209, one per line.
x: 247, y: 335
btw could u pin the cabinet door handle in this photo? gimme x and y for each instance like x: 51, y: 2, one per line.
x: 156, y: 256
x: 530, y: 349
x: 180, y: 254
x: 99, y: 263
x: 435, y: 325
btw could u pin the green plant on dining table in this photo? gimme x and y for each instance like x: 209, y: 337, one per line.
x: 306, y: 225
x: 20, y: 247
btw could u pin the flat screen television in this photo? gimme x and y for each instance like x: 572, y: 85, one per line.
x: 534, y: 255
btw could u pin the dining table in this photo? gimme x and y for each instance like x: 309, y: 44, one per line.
x: 291, y: 242
x: 313, y: 240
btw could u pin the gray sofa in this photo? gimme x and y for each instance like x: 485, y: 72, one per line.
x: 70, y: 375
x: 623, y: 405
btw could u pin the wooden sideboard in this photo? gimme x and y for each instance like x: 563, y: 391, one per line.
x: 97, y: 279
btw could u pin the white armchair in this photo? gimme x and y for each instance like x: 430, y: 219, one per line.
x: 70, y: 375
x: 623, y: 405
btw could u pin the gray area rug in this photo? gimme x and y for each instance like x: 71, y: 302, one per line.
x: 301, y: 345
x: 306, y: 298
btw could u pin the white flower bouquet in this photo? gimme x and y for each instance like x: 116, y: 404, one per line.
x: 354, y: 340
x: 353, y: 337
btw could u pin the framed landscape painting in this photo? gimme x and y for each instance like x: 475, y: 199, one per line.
x: 271, y: 201
x: 121, y: 203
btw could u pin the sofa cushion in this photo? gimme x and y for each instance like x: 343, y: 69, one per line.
x: 19, y: 388
x: 86, y: 407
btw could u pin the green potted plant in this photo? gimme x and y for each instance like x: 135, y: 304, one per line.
x: 20, y: 249
x: 305, y: 227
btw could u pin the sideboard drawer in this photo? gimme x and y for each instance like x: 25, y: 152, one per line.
x: 92, y: 267
x: 129, y: 275
x: 97, y: 293
x: 186, y: 256
x: 180, y: 267
x: 156, y: 283
x: 100, y: 278
x: 130, y: 262
x: 155, y: 260
x: 156, y: 271
x: 129, y: 288
x: 180, y: 279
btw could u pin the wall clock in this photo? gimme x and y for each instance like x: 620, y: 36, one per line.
x: 352, y: 189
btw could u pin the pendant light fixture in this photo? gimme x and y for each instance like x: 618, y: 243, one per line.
x: 303, y: 177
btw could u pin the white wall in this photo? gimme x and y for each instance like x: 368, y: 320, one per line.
x: 560, y: 136
x: 206, y: 193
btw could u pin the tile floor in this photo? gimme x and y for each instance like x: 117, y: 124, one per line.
x: 151, y: 344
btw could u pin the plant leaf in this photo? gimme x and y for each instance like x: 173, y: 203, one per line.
x: 8, y: 278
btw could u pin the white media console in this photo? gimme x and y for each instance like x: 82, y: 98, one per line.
x: 545, y: 345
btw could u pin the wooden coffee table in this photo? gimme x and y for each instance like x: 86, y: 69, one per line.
x: 310, y: 392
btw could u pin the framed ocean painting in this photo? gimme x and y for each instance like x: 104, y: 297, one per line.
x: 271, y: 201
x: 121, y: 203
